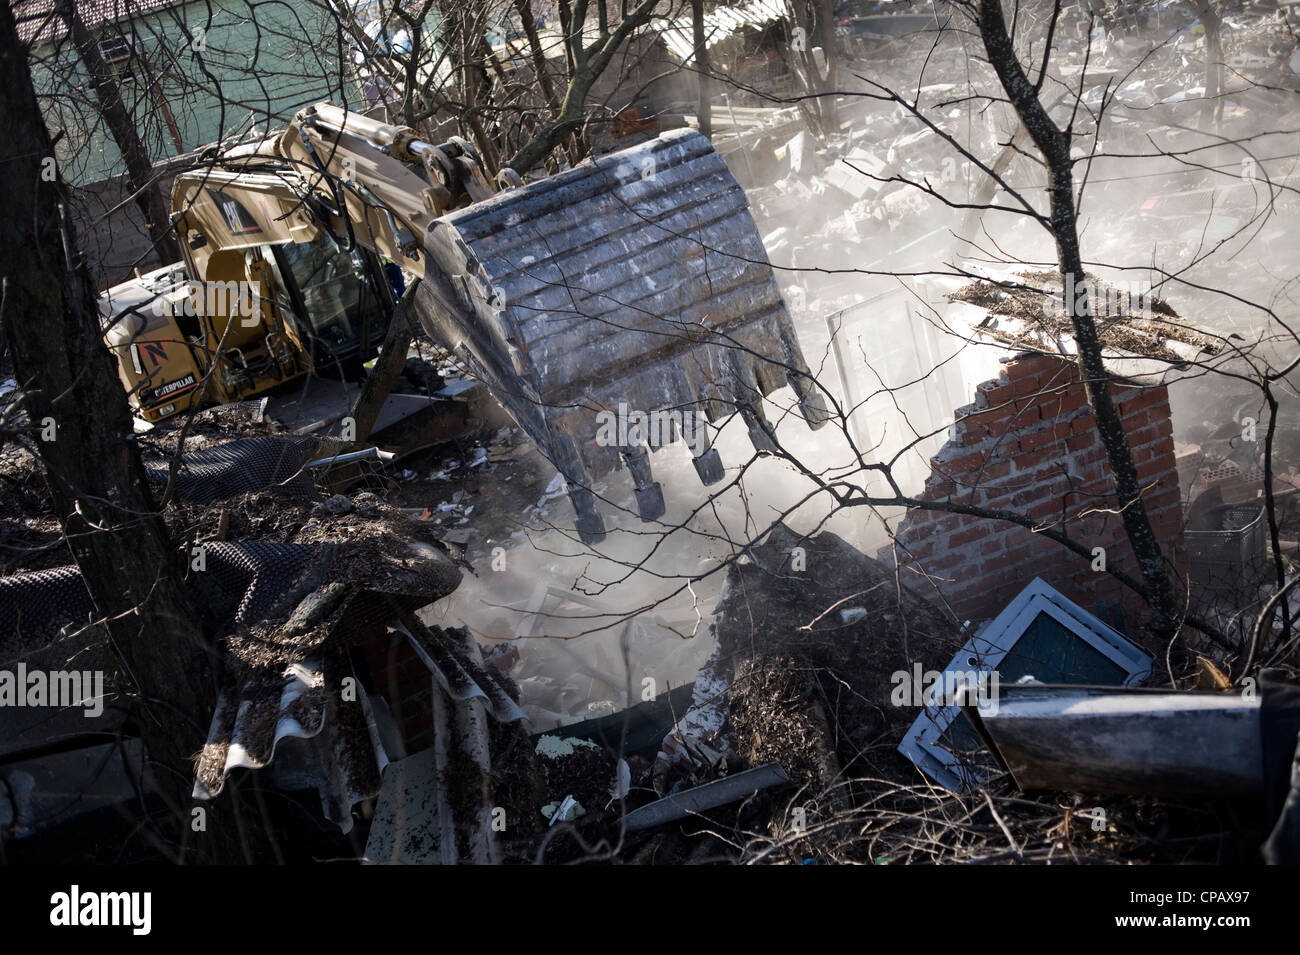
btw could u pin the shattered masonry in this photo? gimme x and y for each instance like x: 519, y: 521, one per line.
x: 1029, y: 444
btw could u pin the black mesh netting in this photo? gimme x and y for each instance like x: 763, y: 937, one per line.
x: 281, y: 611
x: 35, y: 606
x: 241, y: 584
x: 264, y: 463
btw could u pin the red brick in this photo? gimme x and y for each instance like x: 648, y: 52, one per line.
x: 1024, y: 497
x: 947, y: 524
x: 1165, y: 446
x: 1023, y: 387
x: 920, y: 550
x: 973, y: 434
x: 995, y: 470
x: 1061, y: 431
x: 1080, y: 441
x: 1033, y: 440
x: 939, y: 491
x: 942, y: 563
x: 1162, y: 497
x: 1143, y: 436
x: 1040, y: 367
x: 998, y: 385
x: 1084, y: 424
x: 964, y: 464
x: 1030, y: 460
x: 1065, y: 402
x: 1049, y: 508
x: 1016, y: 555
x: 1150, y: 398
x: 978, y: 531
x: 996, y: 396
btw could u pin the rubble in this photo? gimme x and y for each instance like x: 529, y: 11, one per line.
x: 764, y: 724
x: 802, y: 687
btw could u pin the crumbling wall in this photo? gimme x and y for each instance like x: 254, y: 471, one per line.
x: 1029, y: 444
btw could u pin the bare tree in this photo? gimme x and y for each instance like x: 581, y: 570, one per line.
x: 139, y: 168
x: 82, y: 430
x: 519, y: 110
x: 1054, y: 143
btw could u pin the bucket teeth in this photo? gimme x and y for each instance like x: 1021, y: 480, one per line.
x: 564, y: 454
x: 590, y: 525
x: 705, y: 457
x: 603, y: 289
x: 708, y: 466
x: 811, y: 404
x: 760, y: 429
x: 650, y: 502
x: 649, y: 495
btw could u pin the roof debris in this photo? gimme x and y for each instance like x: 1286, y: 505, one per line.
x: 1033, y: 302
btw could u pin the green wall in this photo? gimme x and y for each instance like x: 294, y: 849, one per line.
x: 215, y: 65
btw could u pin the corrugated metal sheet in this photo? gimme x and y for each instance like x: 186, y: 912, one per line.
x: 287, y: 613
x: 720, y: 24
x: 288, y: 667
x: 319, y: 739
x: 338, y: 746
x: 437, y: 806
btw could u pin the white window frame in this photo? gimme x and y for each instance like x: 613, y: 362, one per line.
x: 921, y: 744
x: 117, y: 47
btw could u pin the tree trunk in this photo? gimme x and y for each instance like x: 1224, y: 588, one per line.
x: 477, y: 88
x: 1212, y: 111
x: 544, y: 81
x: 827, y: 84
x: 92, y: 466
x: 525, y: 8
x: 139, y: 170
x: 702, y: 70
x: 1054, y: 144
x: 585, y: 65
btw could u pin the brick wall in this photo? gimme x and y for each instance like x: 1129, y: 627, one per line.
x: 1029, y: 444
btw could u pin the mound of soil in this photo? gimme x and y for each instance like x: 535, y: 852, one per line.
x: 814, y: 633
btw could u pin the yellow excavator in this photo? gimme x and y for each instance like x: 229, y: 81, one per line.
x: 633, y: 284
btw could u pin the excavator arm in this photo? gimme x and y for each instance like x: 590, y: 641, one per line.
x: 612, y: 308
x: 359, y: 181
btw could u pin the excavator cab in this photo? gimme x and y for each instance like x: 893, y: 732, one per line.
x: 339, y: 301
x: 143, y: 323
x: 264, y: 316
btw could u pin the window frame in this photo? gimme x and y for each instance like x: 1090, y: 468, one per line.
x: 988, y: 648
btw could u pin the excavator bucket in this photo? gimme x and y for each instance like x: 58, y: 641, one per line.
x: 631, y: 288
